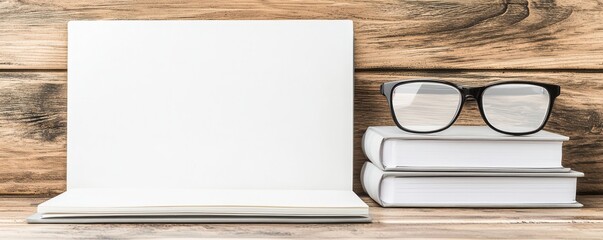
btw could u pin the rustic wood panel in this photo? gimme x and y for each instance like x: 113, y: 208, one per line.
x: 32, y: 132
x: 415, y: 223
x: 406, y: 34
x: 33, y: 123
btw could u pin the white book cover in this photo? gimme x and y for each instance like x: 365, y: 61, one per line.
x: 463, y: 148
x: 470, y: 189
x: 209, y: 118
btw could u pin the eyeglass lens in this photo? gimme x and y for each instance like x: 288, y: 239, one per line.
x: 425, y: 106
x: 516, y: 108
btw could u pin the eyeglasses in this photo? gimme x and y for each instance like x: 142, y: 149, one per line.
x: 428, y: 106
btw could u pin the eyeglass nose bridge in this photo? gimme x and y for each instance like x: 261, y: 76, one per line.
x: 470, y: 93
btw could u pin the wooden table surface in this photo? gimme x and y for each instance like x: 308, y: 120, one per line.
x: 572, y: 223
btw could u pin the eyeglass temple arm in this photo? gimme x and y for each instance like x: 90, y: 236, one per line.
x: 386, y: 89
x: 557, y: 90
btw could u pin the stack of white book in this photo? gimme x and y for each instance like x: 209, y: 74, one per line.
x: 466, y: 166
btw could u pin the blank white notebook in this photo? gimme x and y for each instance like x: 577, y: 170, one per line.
x: 203, y: 118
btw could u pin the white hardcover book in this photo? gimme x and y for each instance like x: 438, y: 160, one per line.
x: 209, y: 121
x: 470, y: 189
x: 463, y: 148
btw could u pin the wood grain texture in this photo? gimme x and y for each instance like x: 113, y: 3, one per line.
x: 33, y: 114
x: 415, y: 223
x: 33, y: 122
x: 448, y: 34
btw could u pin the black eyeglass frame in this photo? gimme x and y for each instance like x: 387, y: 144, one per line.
x: 387, y: 89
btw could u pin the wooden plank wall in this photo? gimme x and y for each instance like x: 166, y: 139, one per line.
x: 465, y: 41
